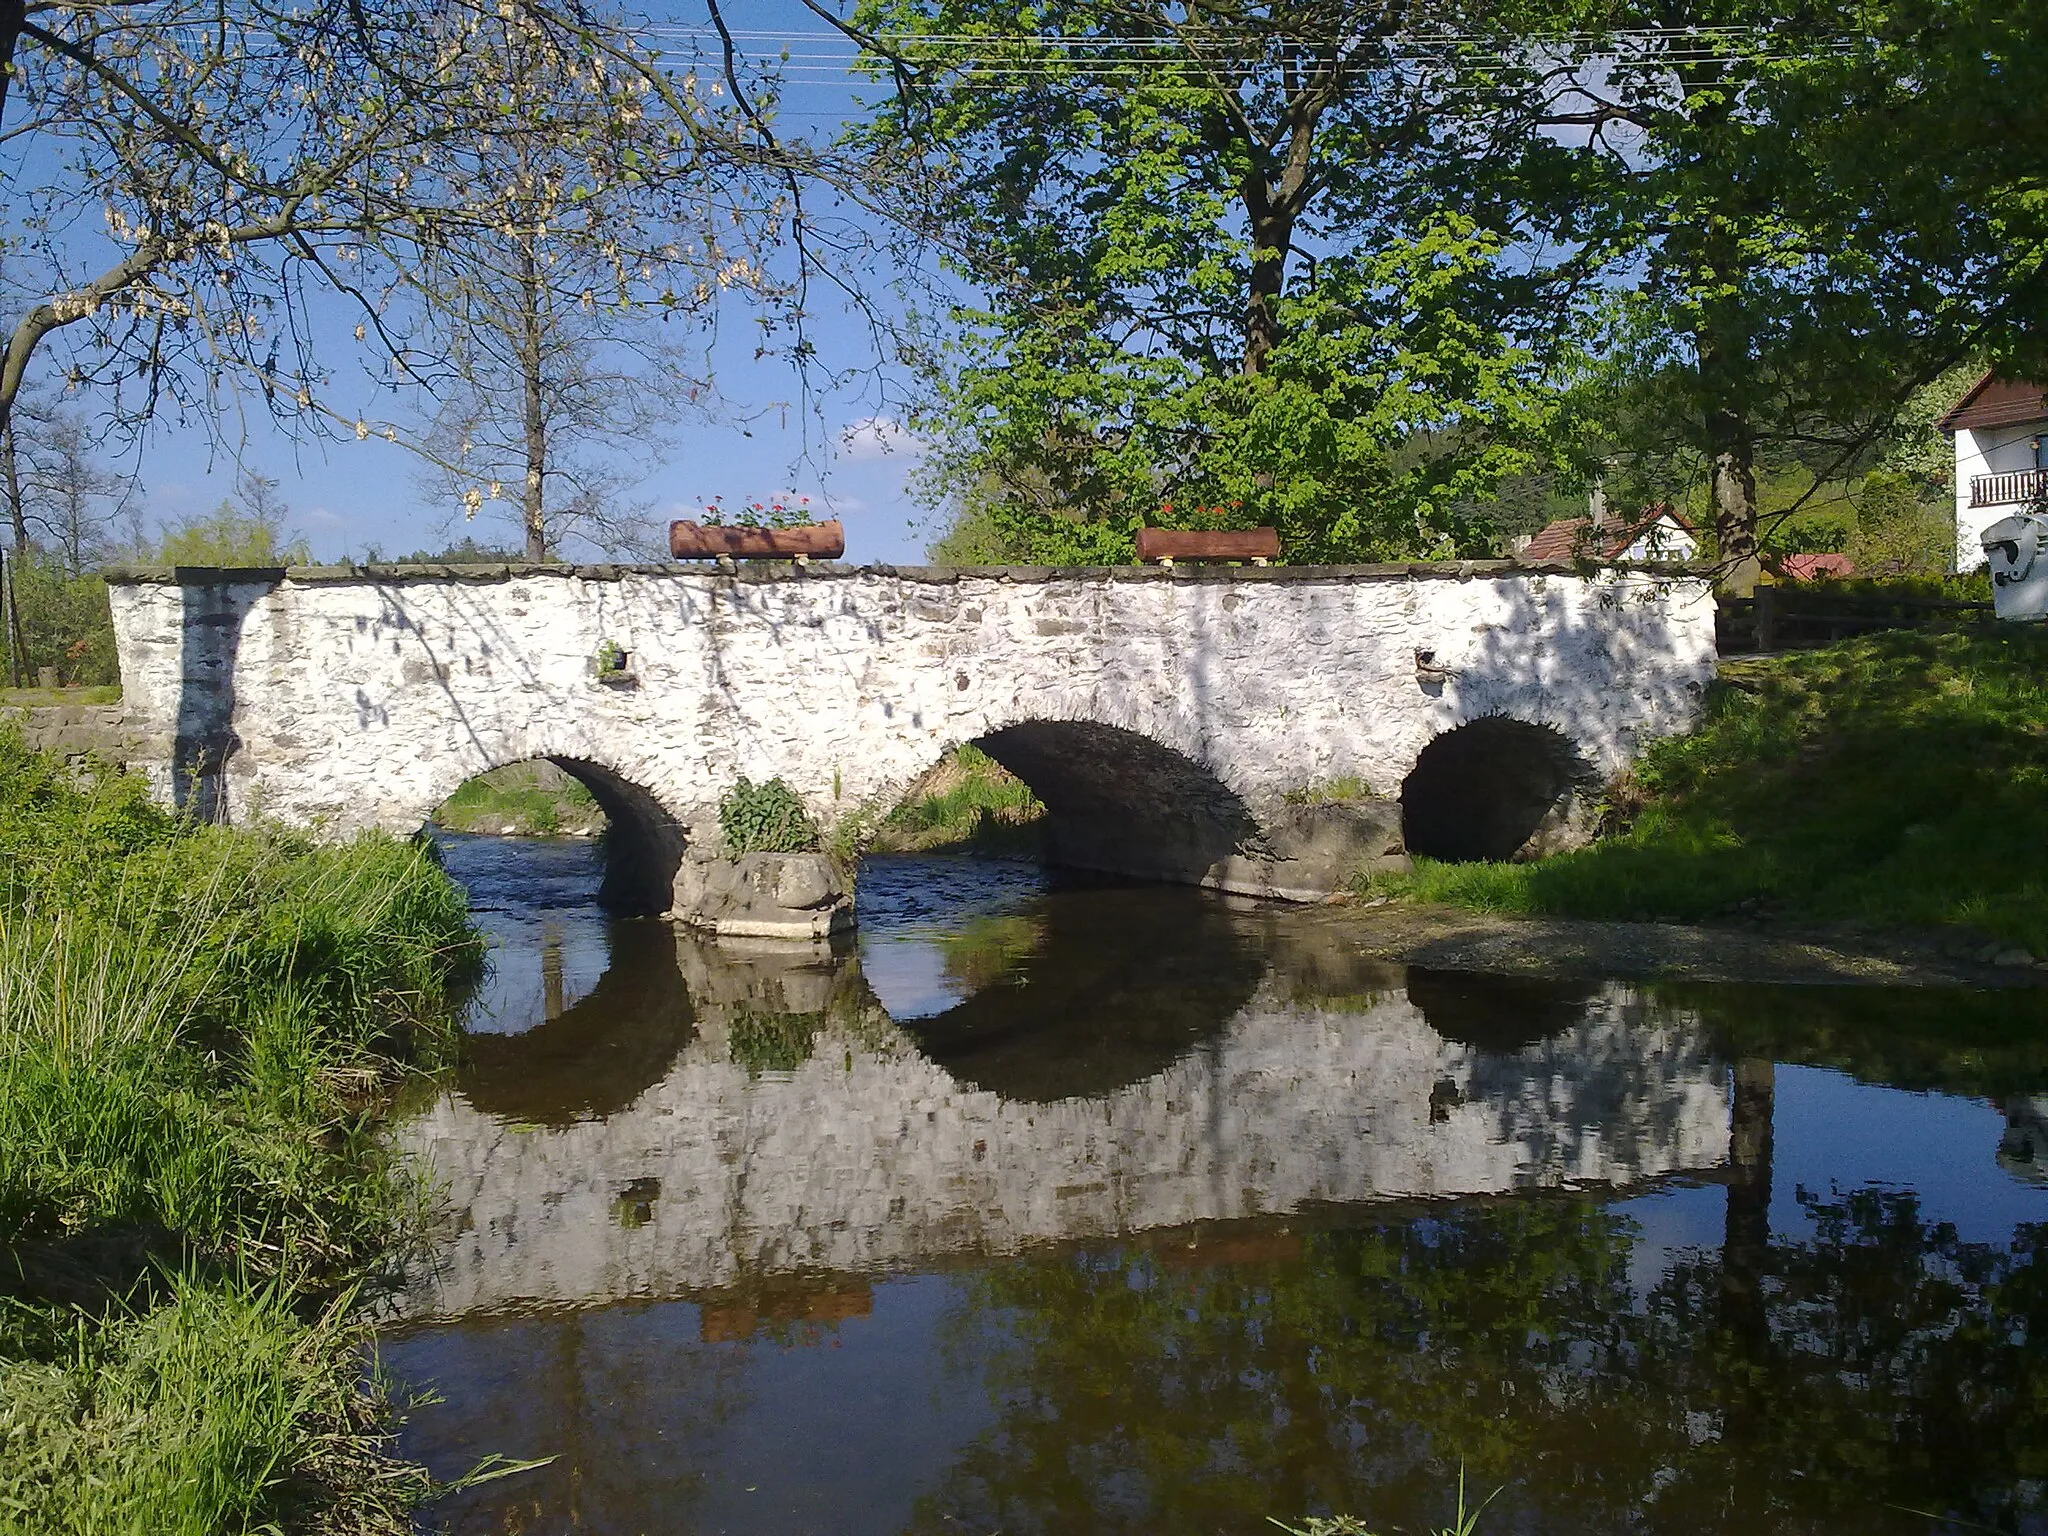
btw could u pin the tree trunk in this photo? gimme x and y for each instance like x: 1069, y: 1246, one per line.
x: 10, y: 473
x: 1712, y: 250
x: 17, y: 514
x: 12, y: 14
x: 1275, y: 191
x: 1732, y: 487
x: 1272, y: 241
x: 533, y: 507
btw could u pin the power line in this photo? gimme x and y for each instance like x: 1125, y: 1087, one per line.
x: 983, y: 61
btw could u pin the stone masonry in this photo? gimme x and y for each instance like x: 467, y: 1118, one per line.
x: 1178, y: 724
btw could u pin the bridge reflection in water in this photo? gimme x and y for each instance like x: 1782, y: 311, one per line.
x: 1138, y: 1211
x: 703, y: 1119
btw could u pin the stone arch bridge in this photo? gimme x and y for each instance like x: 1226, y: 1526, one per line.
x: 1257, y: 730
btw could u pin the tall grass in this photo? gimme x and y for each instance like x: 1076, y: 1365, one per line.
x: 1894, y: 779
x: 195, y: 1028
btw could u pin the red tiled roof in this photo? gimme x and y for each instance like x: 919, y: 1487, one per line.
x: 1821, y: 567
x: 1576, y: 538
x: 1559, y: 540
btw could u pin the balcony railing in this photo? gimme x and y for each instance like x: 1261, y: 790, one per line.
x: 2009, y: 489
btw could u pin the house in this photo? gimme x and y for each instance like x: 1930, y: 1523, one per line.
x: 2001, y: 435
x: 1816, y: 567
x: 1655, y: 533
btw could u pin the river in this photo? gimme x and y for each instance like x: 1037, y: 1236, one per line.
x: 1061, y: 1207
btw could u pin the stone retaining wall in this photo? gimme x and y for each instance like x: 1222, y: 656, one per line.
x: 76, y: 732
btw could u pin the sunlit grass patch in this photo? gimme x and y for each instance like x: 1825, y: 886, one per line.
x: 521, y: 800
x: 969, y: 800
x: 1898, y: 778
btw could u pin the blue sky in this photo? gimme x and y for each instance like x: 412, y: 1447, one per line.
x: 845, y: 451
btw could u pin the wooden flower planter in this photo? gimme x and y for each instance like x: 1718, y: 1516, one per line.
x: 809, y: 541
x: 1167, y: 545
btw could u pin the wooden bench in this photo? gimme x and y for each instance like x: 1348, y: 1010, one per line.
x: 1166, y: 545
x: 806, y: 541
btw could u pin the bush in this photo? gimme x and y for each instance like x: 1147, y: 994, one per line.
x: 765, y: 818
x: 65, y: 623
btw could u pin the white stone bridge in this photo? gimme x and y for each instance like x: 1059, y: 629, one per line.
x: 1178, y: 724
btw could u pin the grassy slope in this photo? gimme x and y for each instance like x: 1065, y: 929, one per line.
x: 39, y: 698
x: 521, y: 800
x: 1897, y: 779
x: 967, y: 801
x: 195, y: 1028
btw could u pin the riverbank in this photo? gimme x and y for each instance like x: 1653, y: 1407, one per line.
x: 1894, y: 781
x: 1446, y: 937
x: 968, y: 803
x: 530, y: 799
x: 197, y: 1027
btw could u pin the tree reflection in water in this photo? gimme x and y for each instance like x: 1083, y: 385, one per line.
x: 1859, y: 1361
x: 1876, y: 1366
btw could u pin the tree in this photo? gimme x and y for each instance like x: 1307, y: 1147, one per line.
x: 245, y: 530
x: 553, y: 374
x: 186, y: 170
x: 64, y: 499
x: 1797, y: 220
x: 1209, y: 277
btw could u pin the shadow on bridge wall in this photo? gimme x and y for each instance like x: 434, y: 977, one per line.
x: 203, y: 741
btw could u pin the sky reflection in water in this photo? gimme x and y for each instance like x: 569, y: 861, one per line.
x: 1077, y: 1209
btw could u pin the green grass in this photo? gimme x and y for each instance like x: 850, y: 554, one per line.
x: 1338, y: 791
x: 520, y: 800
x: 197, y: 1027
x: 1897, y: 779
x: 1464, y: 1522
x: 968, y: 801
x: 35, y: 698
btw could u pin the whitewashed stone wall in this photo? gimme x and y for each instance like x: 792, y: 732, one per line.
x: 352, y: 699
x: 871, y: 1157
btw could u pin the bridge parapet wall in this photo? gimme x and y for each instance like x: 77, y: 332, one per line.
x: 361, y: 697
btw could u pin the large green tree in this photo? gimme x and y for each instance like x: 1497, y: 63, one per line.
x: 1346, y: 269
x: 1803, y: 210
x: 1207, y: 278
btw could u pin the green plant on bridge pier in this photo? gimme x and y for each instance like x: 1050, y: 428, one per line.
x: 765, y: 818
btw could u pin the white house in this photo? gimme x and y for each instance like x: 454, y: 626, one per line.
x: 2001, y: 435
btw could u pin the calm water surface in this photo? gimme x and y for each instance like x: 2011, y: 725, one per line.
x: 1074, y: 1209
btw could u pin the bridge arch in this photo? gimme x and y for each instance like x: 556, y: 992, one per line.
x: 1495, y: 788
x: 1121, y: 801
x: 643, y: 840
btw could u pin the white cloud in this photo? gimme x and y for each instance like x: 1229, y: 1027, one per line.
x: 877, y: 437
